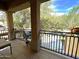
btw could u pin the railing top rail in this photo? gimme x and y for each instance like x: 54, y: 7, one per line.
x: 58, y: 32
x: 68, y: 34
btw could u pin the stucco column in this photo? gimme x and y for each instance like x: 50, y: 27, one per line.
x: 10, y: 25
x: 35, y: 24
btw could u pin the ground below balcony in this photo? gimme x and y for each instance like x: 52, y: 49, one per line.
x: 21, y: 51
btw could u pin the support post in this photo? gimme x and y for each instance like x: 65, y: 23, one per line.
x: 10, y: 25
x: 35, y: 24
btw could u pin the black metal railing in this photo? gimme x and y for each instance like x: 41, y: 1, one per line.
x: 4, y: 34
x: 18, y: 34
x: 65, y: 43
x: 22, y: 33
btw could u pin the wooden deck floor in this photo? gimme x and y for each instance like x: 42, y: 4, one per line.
x: 21, y: 51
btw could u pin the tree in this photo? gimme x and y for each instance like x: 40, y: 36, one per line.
x: 73, y: 17
x: 45, y: 15
x: 3, y: 20
x: 47, y: 21
x: 22, y: 19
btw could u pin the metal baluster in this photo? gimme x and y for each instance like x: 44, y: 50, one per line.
x: 44, y: 38
x: 65, y: 44
x: 77, y: 49
x: 53, y: 38
x: 56, y: 42
x: 73, y: 47
x: 51, y: 42
x: 48, y: 40
x: 62, y: 44
x: 69, y: 45
x: 40, y: 39
x: 59, y: 43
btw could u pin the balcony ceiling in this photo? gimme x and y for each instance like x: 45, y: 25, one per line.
x: 7, y: 4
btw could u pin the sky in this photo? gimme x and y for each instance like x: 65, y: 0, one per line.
x: 63, y: 6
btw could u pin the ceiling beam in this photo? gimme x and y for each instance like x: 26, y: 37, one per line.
x: 2, y: 7
x: 16, y: 5
x: 20, y: 7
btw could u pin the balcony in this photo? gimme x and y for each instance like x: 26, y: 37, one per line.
x: 64, y: 43
x: 57, y: 45
x: 21, y: 51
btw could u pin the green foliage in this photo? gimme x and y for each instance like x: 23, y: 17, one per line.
x: 47, y: 21
x: 45, y: 15
x: 22, y: 19
x: 3, y: 20
x: 45, y: 10
x: 74, y: 10
x: 73, y: 17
